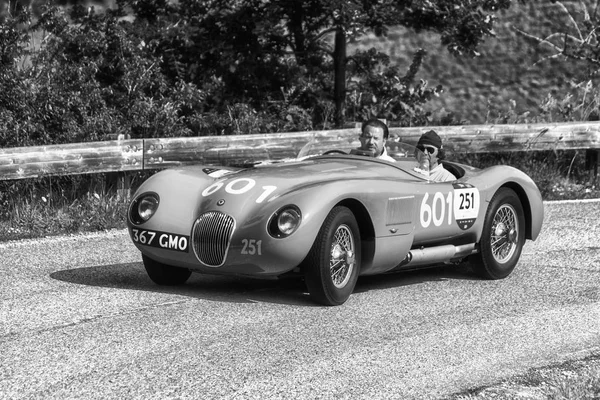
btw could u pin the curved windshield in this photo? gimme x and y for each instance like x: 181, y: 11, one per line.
x: 317, y: 148
x: 406, y: 156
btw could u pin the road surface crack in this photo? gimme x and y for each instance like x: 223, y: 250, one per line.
x: 7, y: 337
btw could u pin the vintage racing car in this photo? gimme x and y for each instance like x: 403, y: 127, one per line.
x: 331, y: 218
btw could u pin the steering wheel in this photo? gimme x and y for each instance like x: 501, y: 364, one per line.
x: 334, y: 152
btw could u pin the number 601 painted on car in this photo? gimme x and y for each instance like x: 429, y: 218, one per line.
x: 460, y: 205
x: 239, y: 186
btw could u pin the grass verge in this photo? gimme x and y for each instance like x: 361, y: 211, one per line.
x: 572, y: 380
x: 59, y: 205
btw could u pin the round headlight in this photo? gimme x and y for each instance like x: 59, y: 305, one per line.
x: 143, y: 208
x: 285, y: 222
x: 147, y: 207
x: 288, y: 221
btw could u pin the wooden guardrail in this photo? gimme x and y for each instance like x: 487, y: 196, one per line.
x: 71, y: 159
x: 145, y: 154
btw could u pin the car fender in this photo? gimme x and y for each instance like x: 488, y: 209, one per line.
x: 493, y: 178
x: 384, y: 243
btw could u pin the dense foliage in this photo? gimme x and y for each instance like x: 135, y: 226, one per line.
x: 159, y: 68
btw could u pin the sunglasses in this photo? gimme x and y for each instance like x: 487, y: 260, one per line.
x: 428, y: 149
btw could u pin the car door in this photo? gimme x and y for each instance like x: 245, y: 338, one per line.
x: 445, y: 211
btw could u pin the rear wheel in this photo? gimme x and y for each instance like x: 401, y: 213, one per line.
x: 165, y: 275
x: 333, y: 263
x: 503, y: 236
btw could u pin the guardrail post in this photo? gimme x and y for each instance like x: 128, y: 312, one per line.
x: 592, y: 160
x: 123, y: 186
x: 120, y: 181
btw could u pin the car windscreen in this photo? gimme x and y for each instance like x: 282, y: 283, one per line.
x: 407, y: 157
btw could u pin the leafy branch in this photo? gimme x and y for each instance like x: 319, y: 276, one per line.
x: 578, y: 39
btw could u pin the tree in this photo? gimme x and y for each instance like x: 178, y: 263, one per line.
x: 13, y: 38
x: 256, y: 47
x: 575, y: 41
x: 577, y: 38
x: 462, y: 24
x: 309, y: 26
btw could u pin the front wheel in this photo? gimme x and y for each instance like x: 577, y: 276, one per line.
x: 165, y: 275
x: 503, y: 236
x: 333, y: 263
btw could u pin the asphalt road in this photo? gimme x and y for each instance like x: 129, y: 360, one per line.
x: 80, y: 319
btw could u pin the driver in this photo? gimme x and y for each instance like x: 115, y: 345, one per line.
x: 373, y: 137
x: 431, y: 156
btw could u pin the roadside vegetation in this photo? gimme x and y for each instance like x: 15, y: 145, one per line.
x: 572, y: 380
x: 58, y: 206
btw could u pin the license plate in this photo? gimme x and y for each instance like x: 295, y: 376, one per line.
x: 161, y: 240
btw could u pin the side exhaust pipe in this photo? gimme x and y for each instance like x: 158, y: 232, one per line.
x: 437, y: 254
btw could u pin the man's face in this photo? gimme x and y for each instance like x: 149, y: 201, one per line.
x: 430, y: 152
x: 372, y: 140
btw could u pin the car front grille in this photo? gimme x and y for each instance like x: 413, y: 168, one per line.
x: 211, y: 236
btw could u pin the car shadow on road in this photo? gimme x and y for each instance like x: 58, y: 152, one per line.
x: 289, y: 290
x: 132, y: 276
x: 401, y: 278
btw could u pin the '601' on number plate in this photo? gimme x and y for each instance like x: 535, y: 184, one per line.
x: 161, y: 240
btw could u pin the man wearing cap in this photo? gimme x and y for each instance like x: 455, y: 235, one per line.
x: 432, y: 153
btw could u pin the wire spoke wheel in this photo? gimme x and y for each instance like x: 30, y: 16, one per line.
x: 503, y: 236
x: 342, y: 256
x: 505, y: 230
x: 332, y: 266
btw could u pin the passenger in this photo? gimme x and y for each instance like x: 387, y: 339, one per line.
x: 373, y: 138
x: 430, y: 159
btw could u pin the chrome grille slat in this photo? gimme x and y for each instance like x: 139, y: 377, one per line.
x: 211, y: 237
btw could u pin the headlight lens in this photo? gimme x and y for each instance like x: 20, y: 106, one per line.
x: 285, y: 222
x: 288, y: 221
x: 147, y: 207
x: 144, y: 207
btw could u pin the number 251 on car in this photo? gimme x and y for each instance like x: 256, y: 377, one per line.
x: 460, y: 206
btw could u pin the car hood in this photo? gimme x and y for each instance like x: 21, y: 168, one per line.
x: 190, y: 191
x: 316, y: 171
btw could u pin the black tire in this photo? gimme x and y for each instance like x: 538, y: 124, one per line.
x: 332, y: 266
x: 502, y: 238
x: 165, y: 275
